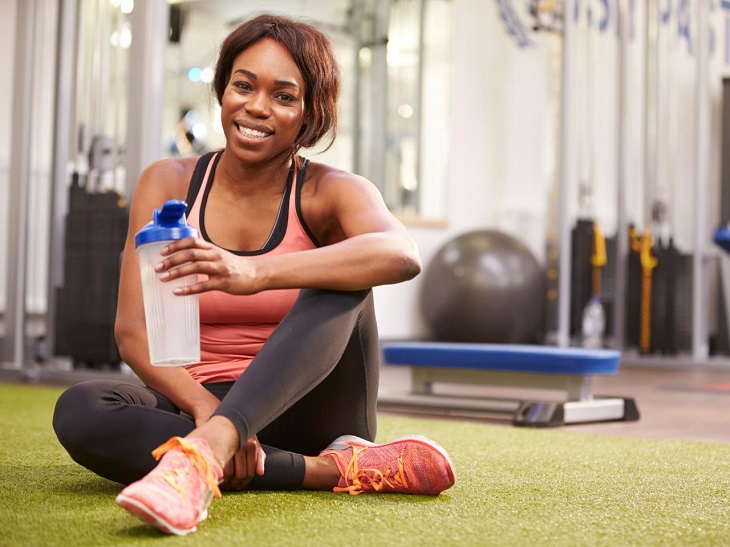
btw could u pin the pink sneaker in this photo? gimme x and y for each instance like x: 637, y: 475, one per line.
x: 175, y: 495
x: 408, y: 465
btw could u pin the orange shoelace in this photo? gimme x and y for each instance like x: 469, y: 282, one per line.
x: 174, y: 475
x: 362, y: 480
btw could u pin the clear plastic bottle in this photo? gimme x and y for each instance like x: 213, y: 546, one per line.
x: 594, y: 324
x: 173, y: 322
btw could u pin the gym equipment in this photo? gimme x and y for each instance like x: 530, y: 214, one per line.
x: 96, y: 226
x: 484, y: 286
x: 659, y: 296
x: 534, y: 367
x: 722, y: 240
x: 722, y: 234
x: 591, y: 281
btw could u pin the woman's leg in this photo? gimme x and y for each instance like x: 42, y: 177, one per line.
x: 314, y: 380
x: 111, y: 427
x: 320, y: 367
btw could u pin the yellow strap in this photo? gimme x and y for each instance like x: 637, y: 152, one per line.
x: 648, y: 263
x: 599, y: 247
x: 634, y: 240
x: 598, y: 259
x: 547, y: 6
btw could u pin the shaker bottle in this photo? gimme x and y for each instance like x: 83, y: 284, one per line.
x: 173, y: 323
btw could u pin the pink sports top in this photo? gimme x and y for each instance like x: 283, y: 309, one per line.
x: 234, y: 328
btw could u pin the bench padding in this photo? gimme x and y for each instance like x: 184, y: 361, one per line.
x: 503, y: 357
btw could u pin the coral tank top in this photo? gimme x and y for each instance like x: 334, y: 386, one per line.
x: 234, y: 328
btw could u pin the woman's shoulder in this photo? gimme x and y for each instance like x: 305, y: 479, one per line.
x: 171, y: 169
x: 329, y: 192
x: 168, y: 176
x: 322, y: 176
x: 162, y: 181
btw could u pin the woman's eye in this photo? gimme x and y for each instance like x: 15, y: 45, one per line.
x: 242, y: 85
x: 285, y: 97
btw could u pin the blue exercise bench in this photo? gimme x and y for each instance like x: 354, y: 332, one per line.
x: 523, y: 366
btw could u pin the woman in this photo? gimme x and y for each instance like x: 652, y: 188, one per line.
x: 284, y: 396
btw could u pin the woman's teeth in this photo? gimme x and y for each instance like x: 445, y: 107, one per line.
x: 252, y: 133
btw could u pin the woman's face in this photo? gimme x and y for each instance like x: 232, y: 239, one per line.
x: 262, y: 107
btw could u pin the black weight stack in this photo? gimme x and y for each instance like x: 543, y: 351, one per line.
x: 86, y: 304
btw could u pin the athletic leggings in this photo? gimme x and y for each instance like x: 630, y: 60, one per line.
x: 316, y: 378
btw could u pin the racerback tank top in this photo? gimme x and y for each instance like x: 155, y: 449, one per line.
x: 234, y: 328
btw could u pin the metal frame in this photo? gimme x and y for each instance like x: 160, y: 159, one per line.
x: 622, y: 245
x: 700, y: 297
x: 14, y: 347
x: 567, y: 175
x: 150, y: 21
x: 574, y: 402
x: 65, y: 82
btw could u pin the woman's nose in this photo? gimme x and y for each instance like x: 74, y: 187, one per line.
x: 257, y: 105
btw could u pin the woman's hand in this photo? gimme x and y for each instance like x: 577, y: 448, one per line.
x: 247, y: 462
x: 225, y: 271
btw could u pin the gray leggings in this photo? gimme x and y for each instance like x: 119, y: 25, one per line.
x: 316, y: 378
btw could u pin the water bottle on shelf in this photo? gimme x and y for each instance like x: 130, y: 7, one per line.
x: 594, y: 324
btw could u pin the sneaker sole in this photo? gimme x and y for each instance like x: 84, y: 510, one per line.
x: 352, y: 440
x: 146, y: 514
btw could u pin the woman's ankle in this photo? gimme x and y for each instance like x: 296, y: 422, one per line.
x: 221, y: 436
x: 320, y: 473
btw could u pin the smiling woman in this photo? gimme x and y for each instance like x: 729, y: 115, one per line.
x: 284, y: 395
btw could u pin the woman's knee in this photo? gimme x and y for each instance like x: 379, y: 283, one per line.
x: 335, y: 302
x: 71, y: 413
x: 79, y: 415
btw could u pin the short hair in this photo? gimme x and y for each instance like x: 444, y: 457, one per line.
x: 312, y: 52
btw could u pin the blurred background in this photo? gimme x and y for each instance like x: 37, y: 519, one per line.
x: 591, y: 132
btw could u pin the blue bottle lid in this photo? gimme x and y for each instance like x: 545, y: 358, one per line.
x: 722, y: 237
x: 167, y: 224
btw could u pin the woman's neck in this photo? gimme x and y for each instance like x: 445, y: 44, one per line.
x: 265, y: 177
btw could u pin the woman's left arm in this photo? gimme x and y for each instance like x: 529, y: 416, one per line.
x: 363, y: 245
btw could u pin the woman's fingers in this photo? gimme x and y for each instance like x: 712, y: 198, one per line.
x: 223, y: 271
x: 187, y: 256
x: 247, y: 462
x: 186, y: 243
x: 260, y: 458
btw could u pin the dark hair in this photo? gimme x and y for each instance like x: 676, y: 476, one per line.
x: 313, y: 55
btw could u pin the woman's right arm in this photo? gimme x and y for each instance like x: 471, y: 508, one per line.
x: 161, y: 181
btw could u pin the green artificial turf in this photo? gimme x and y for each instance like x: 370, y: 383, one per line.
x: 514, y: 487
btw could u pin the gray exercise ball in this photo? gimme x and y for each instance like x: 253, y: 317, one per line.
x: 484, y: 286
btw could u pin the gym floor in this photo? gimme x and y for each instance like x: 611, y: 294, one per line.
x: 679, y: 401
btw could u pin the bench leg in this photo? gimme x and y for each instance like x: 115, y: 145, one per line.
x: 580, y: 388
x: 421, y: 382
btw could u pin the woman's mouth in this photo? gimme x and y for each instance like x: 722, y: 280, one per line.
x: 251, y: 133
